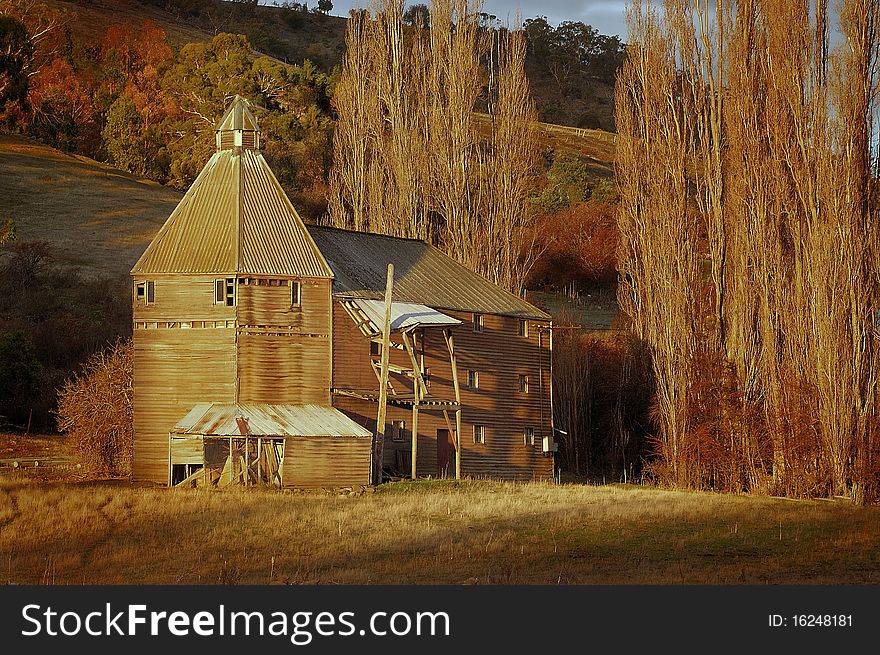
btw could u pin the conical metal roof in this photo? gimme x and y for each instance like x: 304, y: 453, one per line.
x: 235, y: 218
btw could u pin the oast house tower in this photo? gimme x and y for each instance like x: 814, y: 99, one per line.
x: 257, y: 341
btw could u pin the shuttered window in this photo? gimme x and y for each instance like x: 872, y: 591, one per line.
x: 473, y: 379
x: 398, y: 431
x: 145, y: 292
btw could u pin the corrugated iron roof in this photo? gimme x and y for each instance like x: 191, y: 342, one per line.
x: 403, y: 315
x: 235, y: 218
x: 211, y: 419
x: 274, y: 240
x: 422, y: 274
x: 238, y: 116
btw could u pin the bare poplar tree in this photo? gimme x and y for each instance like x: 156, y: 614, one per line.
x: 408, y: 159
x: 752, y: 119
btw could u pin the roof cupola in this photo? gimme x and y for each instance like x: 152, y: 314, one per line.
x: 238, y: 128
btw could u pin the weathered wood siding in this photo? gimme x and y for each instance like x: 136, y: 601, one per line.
x: 499, y: 355
x: 284, y: 352
x: 189, y: 349
x: 176, y: 367
x: 326, y: 461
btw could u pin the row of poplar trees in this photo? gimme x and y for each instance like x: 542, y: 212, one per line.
x: 412, y: 158
x: 750, y: 249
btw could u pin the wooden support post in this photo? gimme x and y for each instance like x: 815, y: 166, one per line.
x: 415, y: 438
x: 450, y: 345
x: 259, y: 459
x: 378, y: 450
x: 419, y: 391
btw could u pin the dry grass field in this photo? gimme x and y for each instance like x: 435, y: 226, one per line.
x: 474, y: 532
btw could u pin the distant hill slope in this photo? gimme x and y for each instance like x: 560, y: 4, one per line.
x: 285, y: 35
x: 293, y: 36
x: 94, y: 216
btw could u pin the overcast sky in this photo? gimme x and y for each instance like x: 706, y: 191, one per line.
x: 607, y: 16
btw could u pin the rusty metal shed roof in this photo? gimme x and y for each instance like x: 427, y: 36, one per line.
x: 422, y: 274
x: 235, y: 218
x: 211, y: 419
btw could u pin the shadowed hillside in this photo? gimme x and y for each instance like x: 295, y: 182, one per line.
x: 93, y: 216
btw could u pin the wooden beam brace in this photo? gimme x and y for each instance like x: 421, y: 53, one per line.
x: 417, y: 371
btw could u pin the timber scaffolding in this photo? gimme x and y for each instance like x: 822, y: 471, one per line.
x: 405, y: 319
x: 243, y: 461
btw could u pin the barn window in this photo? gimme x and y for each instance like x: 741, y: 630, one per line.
x: 523, y: 383
x: 523, y: 328
x: 398, y: 430
x: 473, y: 379
x: 479, y: 434
x: 219, y: 292
x: 145, y: 292
x: 375, y: 348
x: 426, y: 376
x: 230, y: 292
x: 478, y: 322
x: 295, y: 294
x: 529, y: 436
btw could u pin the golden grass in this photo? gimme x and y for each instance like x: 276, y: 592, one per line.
x: 431, y: 532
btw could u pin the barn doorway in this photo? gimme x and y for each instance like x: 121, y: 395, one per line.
x: 445, y: 454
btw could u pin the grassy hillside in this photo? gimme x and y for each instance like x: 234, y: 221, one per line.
x: 95, y: 217
x: 427, y: 532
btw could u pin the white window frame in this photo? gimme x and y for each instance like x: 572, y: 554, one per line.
x: 479, y: 432
x: 478, y: 322
x: 529, y: 436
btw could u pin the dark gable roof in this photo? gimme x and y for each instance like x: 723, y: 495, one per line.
x: 422, y: 274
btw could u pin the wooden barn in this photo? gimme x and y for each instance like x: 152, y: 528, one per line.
x: 258, y: 343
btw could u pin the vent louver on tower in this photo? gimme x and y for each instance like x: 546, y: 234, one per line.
x: 238, y: 128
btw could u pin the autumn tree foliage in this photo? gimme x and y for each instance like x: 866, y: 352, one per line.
x: 409, y: 158
x: 95, y: 410
x: 749, y: 245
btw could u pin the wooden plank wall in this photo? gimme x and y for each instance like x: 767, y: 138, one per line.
x: 284, y: 352
x: 326, y: 461
x: 174, y: 370
x: 188, y: 351
x: 174, y: 367
x: 500, y: 355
